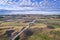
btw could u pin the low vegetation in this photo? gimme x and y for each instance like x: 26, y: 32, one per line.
x: 46, y: 27
x: 44, y: 35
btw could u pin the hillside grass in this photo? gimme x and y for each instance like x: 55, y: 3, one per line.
x: 45, y: 35
x: 40, y: 29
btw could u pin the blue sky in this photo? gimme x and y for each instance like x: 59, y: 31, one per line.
x: 49, y: 6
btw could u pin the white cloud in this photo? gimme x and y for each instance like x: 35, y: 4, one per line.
x: 16, y: 6
x: 36, y: 12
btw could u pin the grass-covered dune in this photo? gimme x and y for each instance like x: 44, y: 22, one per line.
x: 44, y: 34
x: 44, y: 28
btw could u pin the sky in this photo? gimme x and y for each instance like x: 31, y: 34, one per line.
x: 32, y: 6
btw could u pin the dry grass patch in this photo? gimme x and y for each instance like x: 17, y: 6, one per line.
x: 39, y: 25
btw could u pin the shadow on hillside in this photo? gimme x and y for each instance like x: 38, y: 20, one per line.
x: 8, y: 33
x: 24, y: 35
